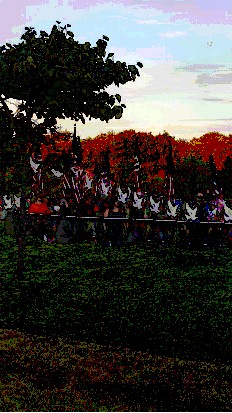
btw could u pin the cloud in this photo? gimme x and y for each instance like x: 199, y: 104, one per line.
x: 150, y: 21
x: 199, y: 67
x: 214, y: 79
x: 171, y: 35
x: 157, y: 52
x: 206, y: 120
x: 218, y: 128
x: 143, y: 54
x: 195, y: 11
x: 13, y: 15
x: 216, y: 100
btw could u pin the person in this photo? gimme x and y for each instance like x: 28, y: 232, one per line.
x: 116, y: 227
x: 100, y: 211
x: 201, y: 234
x: 40, y: 223
x: 86, y: 228
x: 64, y: 231
x: 39, y: 207
x: 229, y: 237
x: 3, y: 212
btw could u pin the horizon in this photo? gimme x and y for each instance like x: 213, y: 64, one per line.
x: 144, y: 132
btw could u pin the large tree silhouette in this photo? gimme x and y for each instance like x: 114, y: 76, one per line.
x: 51, y: 77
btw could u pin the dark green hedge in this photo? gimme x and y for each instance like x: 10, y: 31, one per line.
x: 162, y: 300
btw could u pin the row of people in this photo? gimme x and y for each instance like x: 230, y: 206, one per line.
x: 137, y: 205
x: 64, y: 230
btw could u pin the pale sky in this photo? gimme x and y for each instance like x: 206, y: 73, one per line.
x: 185, y: 46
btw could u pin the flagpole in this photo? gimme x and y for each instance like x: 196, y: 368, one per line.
x: 67, y: 181
x: 170, y: 187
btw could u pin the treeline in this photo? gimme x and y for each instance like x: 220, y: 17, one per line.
x: 191, y: 167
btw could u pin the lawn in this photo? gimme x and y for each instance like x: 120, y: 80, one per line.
x: 131, y: 324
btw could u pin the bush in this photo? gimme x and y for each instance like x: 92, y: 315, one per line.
x: 169, y: 303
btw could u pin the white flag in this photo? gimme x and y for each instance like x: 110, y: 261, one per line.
x: 57, y: 173
x: 172, y: 209
x: 191, y: 213
x: 7, y: 202
x: 122, y: 196
x: 17, y: 201
x: 34, y: 165
x: 137, y: 200
x: 154, y: 206
x: 88, y: 182
x: 228, y: 213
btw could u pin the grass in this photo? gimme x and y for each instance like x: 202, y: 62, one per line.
x: 51, y: 375
x: 159, y: 321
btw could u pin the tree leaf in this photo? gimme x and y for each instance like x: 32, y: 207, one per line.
x: 70, y: 34
x: 118, y: 112
x: 118, y: 97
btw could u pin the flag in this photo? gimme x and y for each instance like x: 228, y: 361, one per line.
x: 36, y: 165
x: 169, y: 160
x: 97, y: 174
x: 170, y: 171
x: 104, y: 185
x: 88, y: 181
x: 78, y: 182
x: 138, y: 199
x: 191, y: 214
x: 136, y: 160
x: 57, y: 173
x: 154, y: 206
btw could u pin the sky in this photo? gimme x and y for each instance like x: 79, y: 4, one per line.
x: 185, y: 86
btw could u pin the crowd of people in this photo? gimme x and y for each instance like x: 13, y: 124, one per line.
x: 54, y: 219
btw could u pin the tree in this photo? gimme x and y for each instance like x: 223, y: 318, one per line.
x: 192, y: 175
x: 76, y: 148
x: 215, y: 175
x: 226, y: 174
x: 53, y: 76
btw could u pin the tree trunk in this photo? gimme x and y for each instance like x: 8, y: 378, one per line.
x: 20, y: 223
